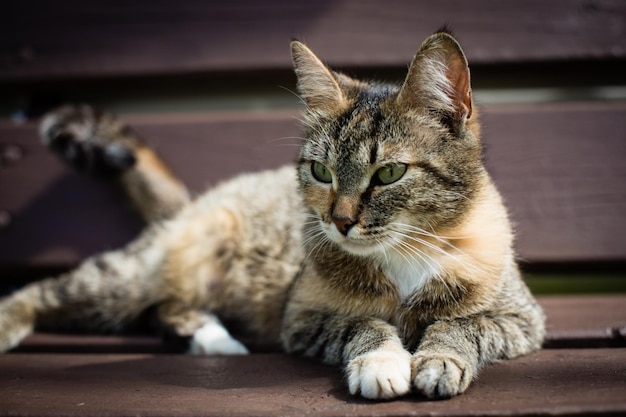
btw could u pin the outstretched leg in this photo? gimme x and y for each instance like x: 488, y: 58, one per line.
x: 99, y: 144
x: 106, y: 292
x: 176, y: 266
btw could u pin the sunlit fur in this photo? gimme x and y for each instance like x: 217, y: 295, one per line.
x: 409, y: 284
x: 429, y: 254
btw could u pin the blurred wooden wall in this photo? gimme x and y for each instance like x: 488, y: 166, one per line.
x: 207, y: 84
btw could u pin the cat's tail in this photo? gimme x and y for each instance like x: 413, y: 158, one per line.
x: 106, y: 292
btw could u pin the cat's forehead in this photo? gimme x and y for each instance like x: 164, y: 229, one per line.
x: 363, y: 123
x: 369, y: 130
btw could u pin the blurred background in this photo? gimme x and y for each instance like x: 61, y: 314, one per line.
x: 209, y: 84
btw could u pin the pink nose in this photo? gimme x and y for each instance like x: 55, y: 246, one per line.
x: 343, y: 224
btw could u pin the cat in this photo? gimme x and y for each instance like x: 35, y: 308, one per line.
x: 386, y: 250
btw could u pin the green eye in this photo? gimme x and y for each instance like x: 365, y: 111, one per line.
x: 321, y: 173
x: 390, y: 173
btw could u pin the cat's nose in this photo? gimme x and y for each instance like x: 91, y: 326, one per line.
x: 343, y: 224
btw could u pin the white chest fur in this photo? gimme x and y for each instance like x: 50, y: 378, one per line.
x: 409, y: 272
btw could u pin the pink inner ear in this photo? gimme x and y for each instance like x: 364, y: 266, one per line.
x: 459, y: 77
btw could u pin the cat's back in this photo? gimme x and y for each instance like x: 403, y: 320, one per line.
x: 265, y: 206
x: 258, y: 193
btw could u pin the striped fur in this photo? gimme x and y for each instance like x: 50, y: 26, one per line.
x: 386, y: 251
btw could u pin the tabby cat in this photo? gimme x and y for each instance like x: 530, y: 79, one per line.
x: 387, y: 250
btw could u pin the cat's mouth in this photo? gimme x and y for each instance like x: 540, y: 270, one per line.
x: 354, y: 243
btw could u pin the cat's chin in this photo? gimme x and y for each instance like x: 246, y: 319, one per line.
x: 359, y: 248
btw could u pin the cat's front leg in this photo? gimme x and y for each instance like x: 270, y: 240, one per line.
x: 382, y: 373
x: 453, y: 351
x: 377, y: 365
x: 441, y: 374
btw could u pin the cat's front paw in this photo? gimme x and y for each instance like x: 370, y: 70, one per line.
x: 440, y: 375
x: 380, y: 374
x: 89, y: 140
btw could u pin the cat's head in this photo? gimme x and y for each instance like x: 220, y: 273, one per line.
x: 381, y: 160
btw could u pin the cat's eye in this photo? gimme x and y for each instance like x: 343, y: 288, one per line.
x: 321, y: 173
x: 390, y: 173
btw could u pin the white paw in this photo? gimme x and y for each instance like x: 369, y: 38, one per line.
x: 440, y: 376
x: 214, y: 339
x: 381, y: 374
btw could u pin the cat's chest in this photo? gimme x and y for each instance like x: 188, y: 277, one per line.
x: 409, y: 274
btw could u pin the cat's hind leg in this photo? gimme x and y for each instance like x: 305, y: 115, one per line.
x: 214, y: 339
x: 107, y: 291
x: 198, y: 259
x: 204, y: 332
x: 99, y: 144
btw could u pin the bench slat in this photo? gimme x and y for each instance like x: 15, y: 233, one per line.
x: 559, y: 166
x: 572, y: 321
x: 72, y: 38
x: 554, y: 382
x: 585, y: 321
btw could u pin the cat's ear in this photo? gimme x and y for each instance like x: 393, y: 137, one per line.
x: 317, y: 84
x: 439, y: 78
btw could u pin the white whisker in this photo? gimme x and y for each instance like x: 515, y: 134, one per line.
x: 431, y: 263
x: 300, y: 99
x: 442, y: 238
x: 382, y: 249
x: 288, y: 138
x: 463, y: 196
x: 424, y: 257
x: 411, y: 230
x: 314, y: 234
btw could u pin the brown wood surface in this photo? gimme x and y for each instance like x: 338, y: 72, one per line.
x: 572, y: 321
x: 585, y: 321
x: 560, y: 168
x: 73, y: 38
x: 73, y: 343
x: 554, y: 382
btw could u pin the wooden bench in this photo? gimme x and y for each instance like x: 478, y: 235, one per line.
x: 200, y: 81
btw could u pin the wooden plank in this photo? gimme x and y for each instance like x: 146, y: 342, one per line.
x: 551, y: 382
x: 585, y: 321
x: 92, y: 343
x: 560, y: 168
x: 572, y: 321
x: 39, y: 190
x: 72, y: 38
